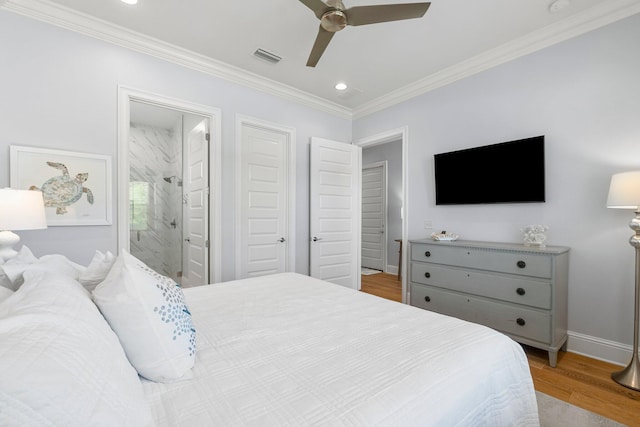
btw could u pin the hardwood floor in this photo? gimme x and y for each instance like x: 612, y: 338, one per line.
x: 383, y: 285
x: 586, y: 383
x: 579, y: 380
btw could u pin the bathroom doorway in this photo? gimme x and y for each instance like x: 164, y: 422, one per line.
x: 170, y: 209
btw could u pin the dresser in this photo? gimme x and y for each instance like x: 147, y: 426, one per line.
x: 518, y: 290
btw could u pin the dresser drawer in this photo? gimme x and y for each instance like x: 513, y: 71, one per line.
x: 510, y: 319
x: 521, y: 263
x: 517, y: 289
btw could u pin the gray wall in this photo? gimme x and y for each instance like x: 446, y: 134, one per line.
x: 584, y: 96
x: 392, y: 153
x: 59, y: 90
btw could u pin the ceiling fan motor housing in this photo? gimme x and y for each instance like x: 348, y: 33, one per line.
x: 334, y: 21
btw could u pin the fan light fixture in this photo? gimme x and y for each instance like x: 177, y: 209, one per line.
x: 334, y: 17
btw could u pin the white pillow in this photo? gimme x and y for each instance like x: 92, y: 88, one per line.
x: 4, y: 281
x: 54, y: 263
x: 15, y: 266
x: 149, y: 314
x: 5, y: 293
x: 61, y: 364
x: 97, y: 270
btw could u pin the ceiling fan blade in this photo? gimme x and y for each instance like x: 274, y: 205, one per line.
x: 363, y: 15
x: 321, y: 43
x: 318, y: 6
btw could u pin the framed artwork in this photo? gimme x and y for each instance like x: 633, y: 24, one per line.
x: 76, y: 187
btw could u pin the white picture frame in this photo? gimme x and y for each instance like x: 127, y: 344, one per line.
x: 81, y: 196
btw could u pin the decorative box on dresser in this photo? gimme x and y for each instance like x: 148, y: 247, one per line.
x: 518, y: 290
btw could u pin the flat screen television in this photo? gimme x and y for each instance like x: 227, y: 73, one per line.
x: 508, y: 172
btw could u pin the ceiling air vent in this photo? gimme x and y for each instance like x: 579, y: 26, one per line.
x: 267, y: 56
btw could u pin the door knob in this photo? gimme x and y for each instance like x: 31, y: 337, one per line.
x: 315, y: 239
x: 281, y: 240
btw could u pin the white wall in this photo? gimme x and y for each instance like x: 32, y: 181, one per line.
x: 58, y: 89
x: 584, y: 96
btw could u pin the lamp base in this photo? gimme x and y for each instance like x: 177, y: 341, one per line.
x: 629, y: 376
x: 7, y: 240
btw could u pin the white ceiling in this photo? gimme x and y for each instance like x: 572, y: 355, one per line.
x: 382, y: 63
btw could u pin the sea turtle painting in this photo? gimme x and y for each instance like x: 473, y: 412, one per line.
x: 62, y: 190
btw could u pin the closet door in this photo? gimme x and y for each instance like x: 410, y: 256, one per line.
x: 265, y: 199
x: 374, y: 216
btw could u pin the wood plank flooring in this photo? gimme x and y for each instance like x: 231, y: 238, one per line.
x: 383, y: 285
x: 579, y: 380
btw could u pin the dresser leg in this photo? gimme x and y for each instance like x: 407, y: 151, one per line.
x: 553, y: 358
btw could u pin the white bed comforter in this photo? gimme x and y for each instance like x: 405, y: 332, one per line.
x: 290, y: 350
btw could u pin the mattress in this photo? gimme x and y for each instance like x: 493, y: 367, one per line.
x: 290, y: 350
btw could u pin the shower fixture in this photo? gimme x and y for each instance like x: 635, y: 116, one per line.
x: 170, y: 179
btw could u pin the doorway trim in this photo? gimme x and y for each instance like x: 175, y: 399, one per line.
x: 213, y: 115
x: 378, y: 139
x: 290, y: 133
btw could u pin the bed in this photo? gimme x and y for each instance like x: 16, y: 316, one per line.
x: 279, y: 350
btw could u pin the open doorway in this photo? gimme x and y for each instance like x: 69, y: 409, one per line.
x: 169, y: 187
x: 383, y: 220
x: 168, y: 200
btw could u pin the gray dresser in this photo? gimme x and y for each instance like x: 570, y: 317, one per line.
x: 518, y: 290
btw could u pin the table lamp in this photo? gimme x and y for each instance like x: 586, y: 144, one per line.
x: 624, y: 193
x: 19, y: 210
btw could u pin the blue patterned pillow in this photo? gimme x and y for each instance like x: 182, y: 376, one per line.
x: 149, y: 314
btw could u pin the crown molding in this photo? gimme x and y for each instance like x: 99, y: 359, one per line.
x: 73, y: 20
x: 588, y: 20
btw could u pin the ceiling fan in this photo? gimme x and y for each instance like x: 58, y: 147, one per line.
x: 334, y: 17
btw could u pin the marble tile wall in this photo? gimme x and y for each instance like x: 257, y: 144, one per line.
x: 156, y: 154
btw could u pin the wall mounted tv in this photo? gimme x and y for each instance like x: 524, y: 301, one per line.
x: 509, y: 172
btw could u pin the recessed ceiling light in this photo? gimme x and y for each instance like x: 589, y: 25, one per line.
x: 558, y: 5
x: 341, y: 86
x: 129, y: 1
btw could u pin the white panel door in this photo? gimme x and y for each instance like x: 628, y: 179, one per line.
x: 335, y: 212
x: 264, y: 201
x: 374, y: 205
x: 196, y: 201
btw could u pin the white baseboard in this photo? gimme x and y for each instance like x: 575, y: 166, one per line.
x: 598, y: 348
x: 391, y: 269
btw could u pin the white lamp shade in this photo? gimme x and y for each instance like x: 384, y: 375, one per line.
x: 624, y: 191
x: 21, y: 210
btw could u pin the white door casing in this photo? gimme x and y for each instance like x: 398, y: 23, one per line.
x: 195, y: 204
x: 374, y: 216
x: 212, y: 115
x: 265, y: 198
x: 335, y: 171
